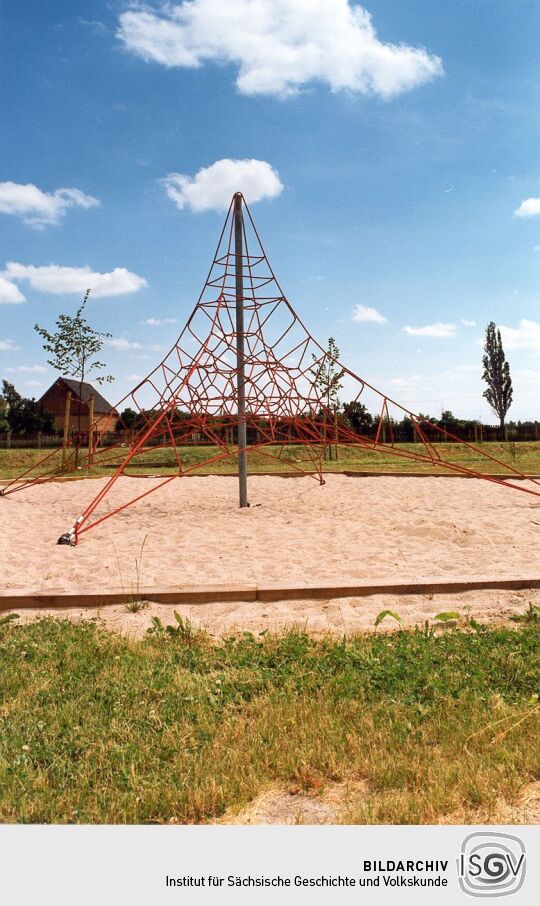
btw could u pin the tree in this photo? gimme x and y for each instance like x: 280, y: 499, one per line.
x: 12, y: 397
x: 327, y: 378
x: 4, y: 424
x: 449, y: 422
x: 74, y: 346
x: 128, y: 419
x: 23, y: 415
x: 357, y: 417
x: 496, y: 375
x: 73, y: 349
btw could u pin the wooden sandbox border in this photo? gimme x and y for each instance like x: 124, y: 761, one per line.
x: 273, y: 591
x: 349, y: 473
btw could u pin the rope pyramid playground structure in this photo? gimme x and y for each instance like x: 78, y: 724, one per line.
x: 243, y: 376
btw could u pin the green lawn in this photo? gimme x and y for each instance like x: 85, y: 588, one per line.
x: 522, y: 456
x: 97, y: 728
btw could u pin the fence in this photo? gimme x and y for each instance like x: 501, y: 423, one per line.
x: 474, y: 433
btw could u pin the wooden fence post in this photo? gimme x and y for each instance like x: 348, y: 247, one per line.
x: 90, y: 430
x: 66, y: 427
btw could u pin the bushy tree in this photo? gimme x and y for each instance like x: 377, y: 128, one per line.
x: 496, y: 374
x: 449, y: 422
x: 24, y: 415
x: 4, y: 424
x: 357, y: 417
x: 128, y: 419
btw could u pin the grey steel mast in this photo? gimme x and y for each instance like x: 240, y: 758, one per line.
x: 240, y: 354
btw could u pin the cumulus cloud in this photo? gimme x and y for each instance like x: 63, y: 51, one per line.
x: 121, y: 344
x: 8, y: 346
x: 52, y: 278
x: 525, y: 336
x: 467, y: 323
x: 9, y: 293
x: 528, y: 208
x: 279, y: 46
x: 213, y: 187
x: 432, y: 330
x: 39, y: 208
x: 365, y: 313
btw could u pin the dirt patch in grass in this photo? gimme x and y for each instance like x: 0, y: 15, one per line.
x: 334, y: 802
x: 323, y: 803
x: 525, y: 809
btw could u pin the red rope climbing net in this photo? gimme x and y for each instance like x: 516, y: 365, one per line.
x: 191, y: 397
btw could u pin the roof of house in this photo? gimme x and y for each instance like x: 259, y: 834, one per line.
x: 85, y: 392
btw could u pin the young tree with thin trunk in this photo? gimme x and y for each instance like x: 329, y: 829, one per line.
x: 496, y: 375
x: 327, y: 377
x: 73, y: 349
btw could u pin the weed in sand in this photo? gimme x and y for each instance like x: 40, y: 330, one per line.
x: 136, y: 606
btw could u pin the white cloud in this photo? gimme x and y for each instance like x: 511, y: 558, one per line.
x: 528, y: 208
x: 121, y: 344
x: 8, y: 346
x: 213, y: 187
x: 158, y: 322
x: 468, y: 323
x: 365, y: 313
x: 432, y: 330
x: 55, y: 279
x: 278, y: 45
x: 39, y: 208
x: 527, y: 378
x: 411, y: 384
x: 9, y: 293
x: 134, y: 377
x: 525, y: 336
x: 33, y: 383
x: 29, y: 369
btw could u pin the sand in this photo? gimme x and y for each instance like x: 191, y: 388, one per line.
x: 336, y: 617
x: 192, y: 532
x: 333, y: 802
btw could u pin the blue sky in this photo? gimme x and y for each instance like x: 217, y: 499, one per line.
x: 393, y: 155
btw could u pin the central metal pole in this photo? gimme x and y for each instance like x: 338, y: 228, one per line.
x: 240, y: 356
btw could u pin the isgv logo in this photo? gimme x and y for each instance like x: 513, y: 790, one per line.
x: 491, y: 865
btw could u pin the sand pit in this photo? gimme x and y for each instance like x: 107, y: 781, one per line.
x: 192, y: 532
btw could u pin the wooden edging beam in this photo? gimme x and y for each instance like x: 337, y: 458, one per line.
x: 348, y: 474
x: 274, y: 591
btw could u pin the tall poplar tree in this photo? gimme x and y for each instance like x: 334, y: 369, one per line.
x: 496, y: 375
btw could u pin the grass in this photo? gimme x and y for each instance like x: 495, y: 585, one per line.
x: 178, y: 728
x: 523, y: 456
